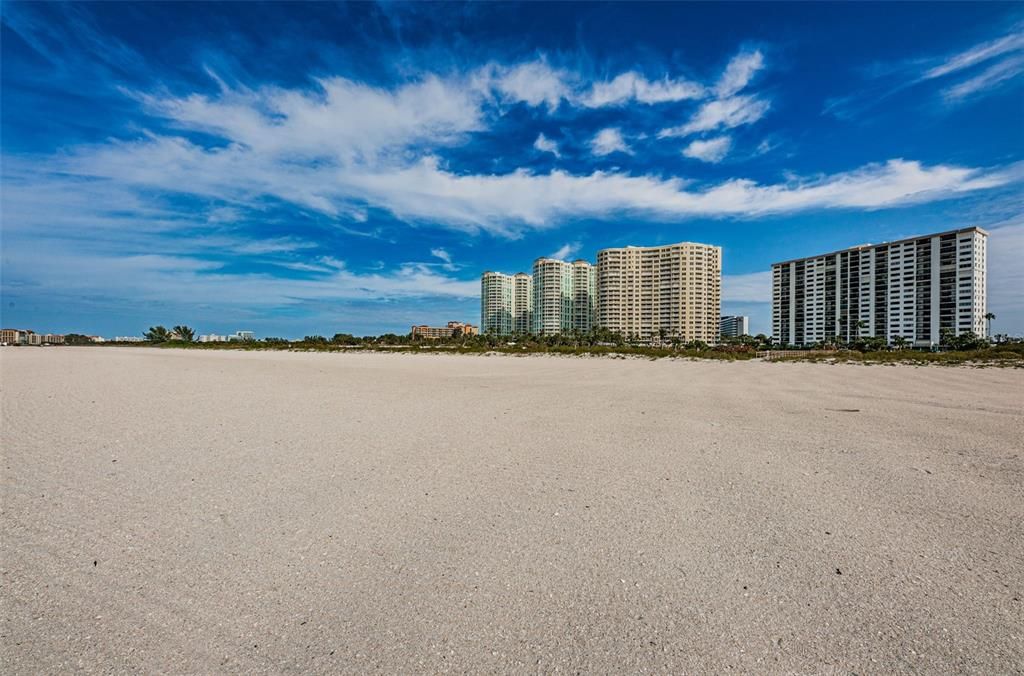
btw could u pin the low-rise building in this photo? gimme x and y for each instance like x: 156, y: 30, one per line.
x: 12, y: 336
x: 129, y: 339
x: 242, y: 335
x: 53, y: 339
x: 452, y: 330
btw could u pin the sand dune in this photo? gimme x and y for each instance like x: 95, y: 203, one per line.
x: 190, y: 511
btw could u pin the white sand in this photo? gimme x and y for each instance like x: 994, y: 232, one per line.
x: 188, y: 511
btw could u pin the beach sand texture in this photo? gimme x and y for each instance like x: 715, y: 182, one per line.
x: 196, y: 511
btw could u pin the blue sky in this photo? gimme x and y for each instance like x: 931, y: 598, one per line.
x: 320, y: 168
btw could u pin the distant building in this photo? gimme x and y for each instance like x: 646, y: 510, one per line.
x: 506, y: 303
x: 734, y: 326
x: 13, y: 336
x: 212, y: 338
x: 673, y: 290
x: 34, y: 339
x: 242, y: 335
x: 129, y: 339
x: 53, y: 339
x: 450, y: 331
x: 910, y: 290
x: 97, y: 339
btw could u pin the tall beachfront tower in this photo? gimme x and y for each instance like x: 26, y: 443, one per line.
x: 522, y: 314
x: 910, y: 290
x: 675, y: 290
x: 563, y: 296
x: 584, y: 296
x: 506, y: 303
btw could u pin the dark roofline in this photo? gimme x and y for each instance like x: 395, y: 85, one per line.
x: 861, y: 247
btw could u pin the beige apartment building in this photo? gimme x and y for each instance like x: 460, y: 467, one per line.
x: 673, y: 290
x: 12, y: 336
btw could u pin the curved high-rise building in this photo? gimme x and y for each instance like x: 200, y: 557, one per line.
x: 506, y: 303
x: 563, y: 296
x: 673, y: 290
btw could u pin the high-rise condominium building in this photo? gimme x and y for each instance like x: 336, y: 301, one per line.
x: 673, y: 290
x: 506, y: 303
x: 734, y: 326
x: 563, y: 296
x: 911, y: 290
x: 522, y: 316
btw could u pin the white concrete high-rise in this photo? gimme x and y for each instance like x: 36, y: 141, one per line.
x: 910, y: 290
x: 672, y: 290
x: 506, y: 303
x: 522, y: 313
x: 563, y: 296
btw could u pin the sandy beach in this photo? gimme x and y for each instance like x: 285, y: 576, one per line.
x: 191, y: 511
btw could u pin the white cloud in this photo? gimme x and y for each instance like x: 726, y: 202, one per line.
x: 753, y: 287
x: 990, y: 78
x: 977, y: 54
x: 344, y: 120
x: 608, y: 141
x: 727, y: 113
x: 739, y: 73
x: 446, y: 257
x: 502, y: 203
x: 711, y: 150
x: 766, y: 146
x: 533, y: 82
x: 565, y: 251
x: 632, y: 86
x: 546, y: 145
x: 272, y: 246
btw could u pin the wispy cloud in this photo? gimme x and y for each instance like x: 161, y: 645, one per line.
x: 991, y: 78
x: 710, y: 150
x: 565, y: 251
x: 534, y: 83
x: 977, y: 54
x: 608, y: 141
x: 504, y: 204
x: 739, y: 73
x: 546, y: 145
x: 445, y: 257
x: 888, y: 80
x: 721, y: 113
x: 632, y: 86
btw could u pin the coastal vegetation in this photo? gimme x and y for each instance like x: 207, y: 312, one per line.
x: 954, y: 349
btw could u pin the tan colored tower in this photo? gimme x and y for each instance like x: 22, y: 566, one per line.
x: 675, y: 289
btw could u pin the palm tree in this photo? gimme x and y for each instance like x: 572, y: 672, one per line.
x: 988, y: 318
x: 157, y: 334
x: 900, y: 342
x: 182, y: 332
